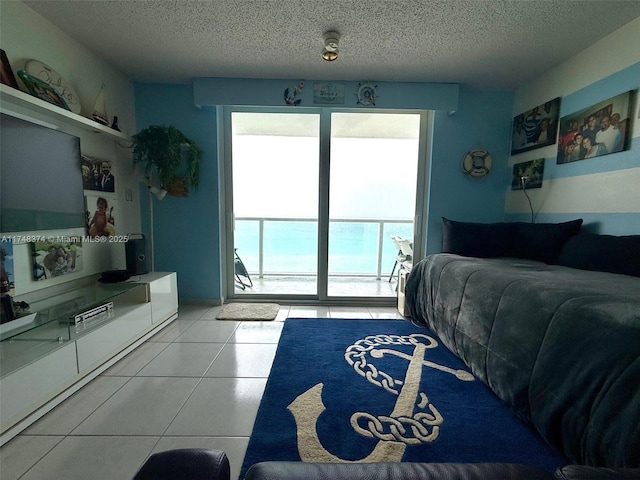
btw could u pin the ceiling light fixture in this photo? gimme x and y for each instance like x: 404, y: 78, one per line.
x: 331, y: 40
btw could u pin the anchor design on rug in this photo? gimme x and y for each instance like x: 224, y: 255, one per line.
x: 403, y: 426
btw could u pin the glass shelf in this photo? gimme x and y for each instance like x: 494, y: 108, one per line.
x: 51, y: 325
x: 61, y: 308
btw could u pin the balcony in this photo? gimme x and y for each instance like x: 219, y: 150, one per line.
x: 280, y: 255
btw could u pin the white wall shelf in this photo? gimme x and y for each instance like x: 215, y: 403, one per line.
x: 10, y: 97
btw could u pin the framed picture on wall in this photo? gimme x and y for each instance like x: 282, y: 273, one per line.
x: 54, y: 259
x: 598, y: 130
x: 535, y: 128
x: 101, y: 214
x: 97, y: 174
x: 532, y: 173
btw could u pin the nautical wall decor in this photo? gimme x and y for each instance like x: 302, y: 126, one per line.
x: 477, y: 163
x: 328, y: 93
x: 367, y: 94
x: 290, y: 94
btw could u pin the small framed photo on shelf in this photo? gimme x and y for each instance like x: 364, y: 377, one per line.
x: 535, y: 128
x: 6, y: 73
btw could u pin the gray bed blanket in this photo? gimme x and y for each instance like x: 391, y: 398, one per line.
x: 560, y: 346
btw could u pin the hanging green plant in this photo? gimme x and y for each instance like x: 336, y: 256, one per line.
x: 172, y: 157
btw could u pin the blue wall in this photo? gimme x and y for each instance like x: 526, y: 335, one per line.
x: 186, y: 230
x: 483, y: 120
x: 187, y: 237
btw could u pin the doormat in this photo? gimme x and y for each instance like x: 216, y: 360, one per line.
x: 249, y: 311
x: 382, y: 391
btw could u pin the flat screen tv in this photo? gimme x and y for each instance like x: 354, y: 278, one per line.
x: 40, y: 178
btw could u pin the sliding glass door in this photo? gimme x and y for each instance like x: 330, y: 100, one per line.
x: 275, y: 167
x: 316, y: 196
x: 372, y: 197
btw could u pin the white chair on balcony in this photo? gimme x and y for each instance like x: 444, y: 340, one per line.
x: 404, y: 257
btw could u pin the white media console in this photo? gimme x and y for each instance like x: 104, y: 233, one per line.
x: 47, y: 359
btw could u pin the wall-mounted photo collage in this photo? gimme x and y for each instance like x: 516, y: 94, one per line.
x: 601, y: 129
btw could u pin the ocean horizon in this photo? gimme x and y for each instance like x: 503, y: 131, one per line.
x: 290, y: 246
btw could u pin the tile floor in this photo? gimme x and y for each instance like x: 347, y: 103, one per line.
x: 197, y: 383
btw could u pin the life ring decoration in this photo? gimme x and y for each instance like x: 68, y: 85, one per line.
x: 477, y: 163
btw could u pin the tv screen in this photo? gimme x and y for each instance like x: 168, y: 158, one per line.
x: 40, y: 178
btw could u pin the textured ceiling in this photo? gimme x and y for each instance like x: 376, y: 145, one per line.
x: 489, y: 43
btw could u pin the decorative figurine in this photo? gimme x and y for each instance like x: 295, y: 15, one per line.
x: 99, y: 110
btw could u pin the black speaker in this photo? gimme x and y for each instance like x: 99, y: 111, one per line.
x: 136, y: 250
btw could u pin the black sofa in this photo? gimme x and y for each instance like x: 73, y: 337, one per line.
x: 203, y: 464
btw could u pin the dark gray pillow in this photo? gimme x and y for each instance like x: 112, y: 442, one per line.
x: 542, y: 241
x: 482, y: 240
x: 603, y: 253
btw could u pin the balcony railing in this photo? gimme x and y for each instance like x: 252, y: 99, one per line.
x: 288, y: 246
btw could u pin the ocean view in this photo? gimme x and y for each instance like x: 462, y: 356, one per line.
x: 290, y: 246
x: 277, y: 167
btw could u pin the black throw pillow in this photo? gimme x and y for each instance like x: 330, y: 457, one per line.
x: 603, y: 253
x: 483, y: 240
x: 542, y: 241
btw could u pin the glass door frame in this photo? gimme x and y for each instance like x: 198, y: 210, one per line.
x: 227, y: 220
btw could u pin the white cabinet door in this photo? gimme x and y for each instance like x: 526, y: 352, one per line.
x: 27, y: 388
x: 104, y: 342
x: 163, y: 287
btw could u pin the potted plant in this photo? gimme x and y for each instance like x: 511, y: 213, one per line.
x: 172, y: 157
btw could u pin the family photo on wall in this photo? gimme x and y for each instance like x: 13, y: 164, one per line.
x: 601, y: 129
x: 535, y: 128
x: 97, y: 175
x: 100, y: 216
x: 54, y: 259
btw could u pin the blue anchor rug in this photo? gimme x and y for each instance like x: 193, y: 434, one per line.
x: 382, y: 391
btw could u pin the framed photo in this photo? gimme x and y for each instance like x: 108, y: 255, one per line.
x: 598, y: 130
x: 531, y: 171
x: 97, y: 174
x: 6, y: 73
x: 535, y: 128
x: 42, y: 90
x: 101, y: 214
x: 55, y: 259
